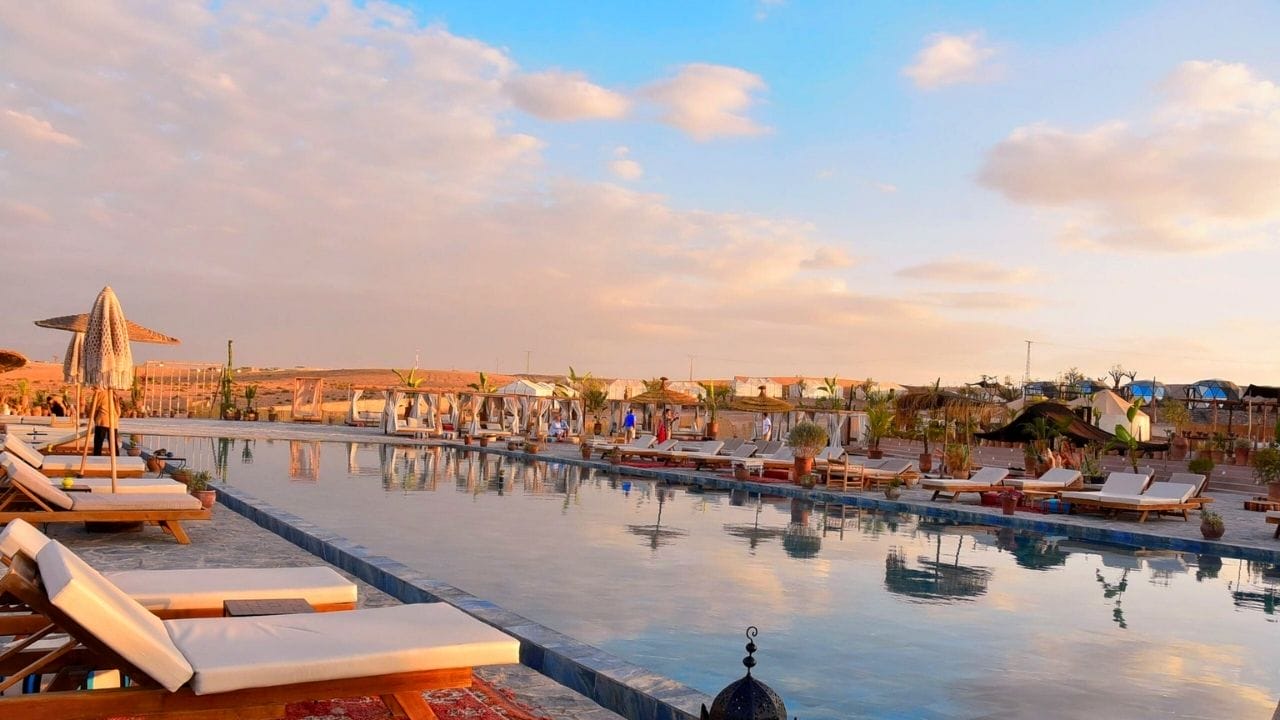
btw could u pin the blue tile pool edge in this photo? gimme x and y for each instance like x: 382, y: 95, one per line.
x: 611, y: 682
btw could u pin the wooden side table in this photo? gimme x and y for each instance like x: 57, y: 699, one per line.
x: 277, y: 606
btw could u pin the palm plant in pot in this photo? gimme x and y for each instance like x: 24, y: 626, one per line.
x: 198, y: 485
x: 1177, y: 415
x: 957, y: 459
x: 711, y: 404
x: 807, y: 440
x: 594, y: 401
x: 879, y: 423
x: 1266, y: 469
x: 893, y: 490
x: 250, y: 412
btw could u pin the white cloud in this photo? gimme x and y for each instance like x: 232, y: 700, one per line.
x: 1198, y: 175
x: 884, y: 187
x: 765, y: 7
x: 959, y: 270
x: 709, y: 101
x: 555, y: 95
x: 950, y: 60
x: 623, y: 167
x: 33, y: 128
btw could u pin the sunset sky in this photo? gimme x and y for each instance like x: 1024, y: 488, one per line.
x: 901, y: 191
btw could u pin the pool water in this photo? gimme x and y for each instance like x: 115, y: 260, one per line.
x: 861, y: 613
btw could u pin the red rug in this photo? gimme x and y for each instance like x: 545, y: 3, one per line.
x: 481, y: 701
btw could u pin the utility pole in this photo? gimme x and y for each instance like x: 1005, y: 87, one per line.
x: 691, y: 357
x: 527, y: 354
x: 1026, y: 375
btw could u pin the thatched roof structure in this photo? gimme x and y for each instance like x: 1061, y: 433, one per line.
x: 80, y: 323
x: 11, y: 360
x: 761, y: 403
x: 1069, y: 425
x: 664, y: 396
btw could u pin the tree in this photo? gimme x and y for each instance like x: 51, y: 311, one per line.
x: 831, y: 388
x: 409, y: 378
x: 1126, y: 440
x: 482, y: 385
x: 1073, y: 377
x: 1117, y: 373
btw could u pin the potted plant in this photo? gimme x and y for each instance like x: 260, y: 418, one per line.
x: 807, y: 440
x: 879, y: 424
x: 1242, y: 447
x: 893, y: 490
x: 1266, y: 469
x: 182, y: 475
x: 956, y: 456
x: 1009, y: 501
x: 1211, y: 525
x: 594, y: 400
x: 807, y: 481
x: 531, y: 446
x: 483, y: 440
x: 586, y: 450
x: 711, y: 403
x: 198, y: 485
x: 272, y: 414
x: 135, y: 445
x: 250, y: 412
x: 1219, y: 445
x: 1177, y: 415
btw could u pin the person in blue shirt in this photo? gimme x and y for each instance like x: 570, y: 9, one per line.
x: 629, y: 425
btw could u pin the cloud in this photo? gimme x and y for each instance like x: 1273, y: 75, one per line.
x: 956, y: 270
x: 1196, y: 175
x: 33, y: 128
x: 709, y: 101
x: 983, y: 300
x: 950, y: 60
x: 884, y: 187
x: 18, y: 213
x: 765, y: 7
x: 562, y: 96
x: 623, y: 167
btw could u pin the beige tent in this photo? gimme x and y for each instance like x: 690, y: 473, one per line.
x: 1110, y: 410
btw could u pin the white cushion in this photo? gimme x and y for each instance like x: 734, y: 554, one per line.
x: 208, y: 587
x: 26, y: 453
x: 1054, y: 479
x: 1123, y: 483
x: 1190, y: 478
x: 990, y: 475
x: 236, y: 653
x: 71, y: 463
x: 1164, y: 492
x: 134, y: 501
x: 1101, y: 496
x: 111, y: 616
x: 20, y: 535
x: 130, y: 485
x: 951, y: 484
x: 31, y: 480
x: 1273, y: 514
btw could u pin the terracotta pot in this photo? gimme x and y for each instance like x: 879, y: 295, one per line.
x: 206, y: 497
x: 740, y: 472
x: 803, y: 466
x: 926, y: 462
x: 466, y: 440
x: 597, y: 428
x: 875, y: 454
x: 1217, y: 456
x: 183, y: 476
x: 1178, y: 450
x: 1008, y: 503
x: 586, y: 452
x: 134, y: 451
x: 531, y: 448
x: 155, y: 464
x: 484, y: 441
x: 713, y: 429
x: 1212, y: 532
x: 893, y: 493
x: 1273, y: 491
x: 1242, y: 456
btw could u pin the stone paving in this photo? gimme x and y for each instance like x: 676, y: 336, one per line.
x: 230, y: 540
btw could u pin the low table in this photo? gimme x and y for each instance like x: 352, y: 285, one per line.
x: 277, y: 606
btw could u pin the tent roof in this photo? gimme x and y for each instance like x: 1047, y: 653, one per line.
x: 1079, y: 431
x: 1262, y: 392
x: 11, y: 360
x: 80, y: 323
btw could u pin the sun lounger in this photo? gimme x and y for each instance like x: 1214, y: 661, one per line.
x: 98, y: 484
x: 658, y: 450
x: 850, y: 471
x: 228, y: 667
x: 685, y: 450
x: 1117, y: 484
x: 731, y: 444
x: 64, y: 465
x: 641, y: 442
x: 1051, y: 480
x: 1134, y: 492
x: 31, y: 497
x: 987, y: 479
x: 43, y: 437
x: 1273, y: 518
x: 768, y: 448
x: 197, y: 592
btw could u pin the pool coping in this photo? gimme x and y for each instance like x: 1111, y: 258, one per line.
x: 613, y: 683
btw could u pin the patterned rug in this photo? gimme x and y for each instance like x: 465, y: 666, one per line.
x: 481, y: 701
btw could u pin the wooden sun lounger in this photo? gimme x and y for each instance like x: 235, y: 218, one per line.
x: 1134, y: 492
x: 219, y: 669
x: 32, y: 498
x: 988, y: 479
x: 66, y: 465
x: 1273, y: 518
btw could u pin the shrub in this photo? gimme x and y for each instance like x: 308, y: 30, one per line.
x: 807, y: 438
x: 1201, y: 466
x: 1266, y: 465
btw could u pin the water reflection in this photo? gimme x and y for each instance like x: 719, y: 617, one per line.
x: 655, y: 535
x: 752, y: 532
x: 935, y: 579
x: 304, y: 460
x: 1256, y: 590
x: 801, y: 539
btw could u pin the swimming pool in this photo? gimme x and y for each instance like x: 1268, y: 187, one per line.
x: 862, y: 614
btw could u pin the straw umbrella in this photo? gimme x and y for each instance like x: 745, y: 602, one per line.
x: 108, y: 362
x: 761, y: 404
x: 78, y: 325
x: 11, y: 360
x: 663, y: 396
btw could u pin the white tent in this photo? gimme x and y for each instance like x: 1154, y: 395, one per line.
x: 521, y: 386
x: 689, y: 387
x: 1110, y: 410
x: 750, y: 386
x: 623, y: 388
x: 808, y: 388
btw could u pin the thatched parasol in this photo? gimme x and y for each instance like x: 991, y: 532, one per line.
x: 107, y: 362
x: 938, y: 580
x: 761, y: 404
x: 664, y: 395
x: 80, y: 323
x: 11, y: 360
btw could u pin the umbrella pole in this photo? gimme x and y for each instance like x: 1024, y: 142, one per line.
x: 84, y: 451
x: 113, y: 435
x: 75, y: 418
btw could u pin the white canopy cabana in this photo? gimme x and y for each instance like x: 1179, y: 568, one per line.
x: 750, y: 386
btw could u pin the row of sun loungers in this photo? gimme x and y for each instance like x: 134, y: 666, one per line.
x: 67, y: 465
x: 213, y: 666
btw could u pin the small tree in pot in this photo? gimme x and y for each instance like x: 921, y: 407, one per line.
x: 1266, y: 469
x: 1211, y: 525
x: 198, y: 485
x: 879, y: 423
x: 1177, y: 415
x: 807, y: 440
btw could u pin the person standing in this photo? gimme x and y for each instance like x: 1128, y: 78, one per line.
x: 629, y: 425
x: 766, y: 427
x: 105, y: 419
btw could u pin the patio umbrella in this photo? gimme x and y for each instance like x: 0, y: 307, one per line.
x: 663, y: 396
x: 761, y: 404
x: 107, y: 363
x: 11, y: 360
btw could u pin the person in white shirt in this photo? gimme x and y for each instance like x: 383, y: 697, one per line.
x: 766, y: 427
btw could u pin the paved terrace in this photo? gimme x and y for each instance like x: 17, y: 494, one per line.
x: 1247, y: 533
x: 233, y: 541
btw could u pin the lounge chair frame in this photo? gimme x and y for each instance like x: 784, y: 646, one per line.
x: 18, y: 503
x: 145, y: 698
